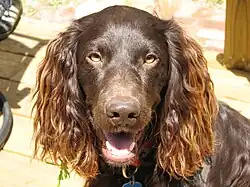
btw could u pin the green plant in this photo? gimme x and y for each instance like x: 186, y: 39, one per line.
x: 212, y: 1
x: 215, y: 1
x: 64, y: 174
x: 55, y: 3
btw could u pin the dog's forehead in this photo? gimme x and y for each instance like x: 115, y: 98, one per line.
x: 125, y: 21
x: 125, y: 33
x: 128, y: 26
x: 125, y: 14
x: 121, y: 28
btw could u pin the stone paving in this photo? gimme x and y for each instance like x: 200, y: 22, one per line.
x: 202, y: 20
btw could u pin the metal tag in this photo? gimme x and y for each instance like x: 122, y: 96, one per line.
x: 132, y: 184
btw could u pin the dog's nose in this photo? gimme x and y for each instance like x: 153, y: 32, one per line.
x: 123, y: 111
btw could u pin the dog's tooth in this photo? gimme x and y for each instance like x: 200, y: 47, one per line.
x: 109, y: 146
x: 118, y: 152
x: 122, y: 152
x: 132, y: 146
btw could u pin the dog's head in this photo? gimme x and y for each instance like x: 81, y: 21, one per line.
x: 116, y: 78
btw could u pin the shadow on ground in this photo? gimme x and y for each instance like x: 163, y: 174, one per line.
x: 16, y: 54
x: 240, y: 73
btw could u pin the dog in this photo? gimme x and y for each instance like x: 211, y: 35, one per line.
x: 125, y: 99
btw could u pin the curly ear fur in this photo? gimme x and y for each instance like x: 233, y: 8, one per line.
x: 190, y: 107
x: 62, y: 120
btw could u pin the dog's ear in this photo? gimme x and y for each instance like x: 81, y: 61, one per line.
x: 62, y: 121
x: 190, y: 107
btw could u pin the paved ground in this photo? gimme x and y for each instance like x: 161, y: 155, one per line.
x: 19, y: 57
x: 203, y: 20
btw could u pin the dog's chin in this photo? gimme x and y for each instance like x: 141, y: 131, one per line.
x: 119, y: 148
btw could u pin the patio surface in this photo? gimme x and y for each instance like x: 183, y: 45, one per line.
x: 19, y: 56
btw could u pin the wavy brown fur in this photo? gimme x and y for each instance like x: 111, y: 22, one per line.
x: 190, y: 107
x: 62, y: 120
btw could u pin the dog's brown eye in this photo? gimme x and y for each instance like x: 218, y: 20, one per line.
x: 150, y: 58
x: 94, y: 57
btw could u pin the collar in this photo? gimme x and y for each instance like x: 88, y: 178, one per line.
x: 145, y: 156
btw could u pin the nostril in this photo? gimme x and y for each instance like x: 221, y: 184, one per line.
x: 132, y: 115
x: 113, y: 114
x: 123, y: 110
x: 116, y: 115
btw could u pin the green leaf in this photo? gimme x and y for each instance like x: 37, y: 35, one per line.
x: 63, y: 174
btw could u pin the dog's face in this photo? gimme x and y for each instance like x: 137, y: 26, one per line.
x: 123, y: 67
x: 116, y: 78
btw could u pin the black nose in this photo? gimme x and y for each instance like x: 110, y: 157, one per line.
x: 123, y: 110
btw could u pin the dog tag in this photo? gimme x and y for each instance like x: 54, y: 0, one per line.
x: 132, y: 184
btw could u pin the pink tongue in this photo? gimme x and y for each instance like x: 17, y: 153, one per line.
x: 120, y: 141
x: 119, y: 147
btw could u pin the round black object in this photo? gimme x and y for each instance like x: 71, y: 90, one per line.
x: 6, y: 127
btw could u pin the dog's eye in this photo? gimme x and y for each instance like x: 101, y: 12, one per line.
x: 150, y: 58
x: 94, y: 57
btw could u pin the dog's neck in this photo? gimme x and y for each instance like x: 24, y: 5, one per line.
x: 146, y: 155
x: 146, y: 166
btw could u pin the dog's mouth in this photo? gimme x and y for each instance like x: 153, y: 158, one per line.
x: 119, y: 147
